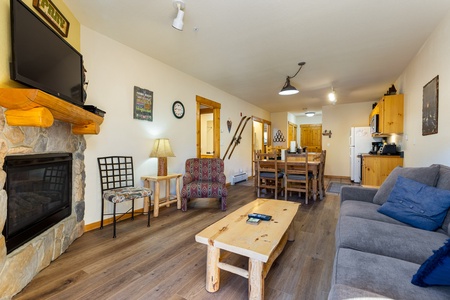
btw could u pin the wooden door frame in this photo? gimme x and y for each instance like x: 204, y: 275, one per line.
x: 215, y: 109
x: 269, y: 136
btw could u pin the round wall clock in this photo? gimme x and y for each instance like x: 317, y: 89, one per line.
x: 178, y: 109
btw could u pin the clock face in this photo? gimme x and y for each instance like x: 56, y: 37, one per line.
x: 178, y: 109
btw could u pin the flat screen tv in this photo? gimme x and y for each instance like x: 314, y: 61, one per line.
x: 42, y: 59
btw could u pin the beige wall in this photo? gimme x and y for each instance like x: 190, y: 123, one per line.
x: 339, y: 119
x: 433, y: 59
x: 113, y: 70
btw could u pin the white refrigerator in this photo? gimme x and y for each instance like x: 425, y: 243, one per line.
x: 360, y: 143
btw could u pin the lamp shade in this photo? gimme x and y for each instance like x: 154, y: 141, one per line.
x: 288, y: 89
x: 161, y: 148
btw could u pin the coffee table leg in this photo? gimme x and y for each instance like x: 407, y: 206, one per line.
x: 255, y: 279
x: 291, y: 232
x: 212, y: 269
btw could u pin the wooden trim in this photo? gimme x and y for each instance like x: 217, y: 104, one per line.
x: 28, y: 101
x: 215, y: 107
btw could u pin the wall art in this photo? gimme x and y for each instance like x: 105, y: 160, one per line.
x: 430, y: 107
x: 143, y: 104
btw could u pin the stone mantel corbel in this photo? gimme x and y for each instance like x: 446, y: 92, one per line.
x: 33, y: 107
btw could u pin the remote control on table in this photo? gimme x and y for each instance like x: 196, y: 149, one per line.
x: 260, y: 216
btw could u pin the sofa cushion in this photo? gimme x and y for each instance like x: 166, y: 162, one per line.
x: 444, y: 183
x: 417, y: 204
x: 425, y: 175
x: 397, y: 241
x: 341, y: 291
x: 382, y: 275
x: 436, y: 269
x: 365, y: 210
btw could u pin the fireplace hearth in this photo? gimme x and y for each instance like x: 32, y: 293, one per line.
x: 39, y: 189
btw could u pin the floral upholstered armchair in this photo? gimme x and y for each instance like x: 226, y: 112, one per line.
x: 204, y: 178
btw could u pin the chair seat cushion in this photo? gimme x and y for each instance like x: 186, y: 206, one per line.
x: 270, y: 175
x: 126, y: 194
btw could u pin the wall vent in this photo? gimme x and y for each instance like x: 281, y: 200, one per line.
x: 239, y: 178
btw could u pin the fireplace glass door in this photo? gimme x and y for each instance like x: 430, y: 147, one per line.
x: 39, y: 194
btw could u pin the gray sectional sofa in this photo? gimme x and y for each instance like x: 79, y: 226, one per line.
x: 376, y: 255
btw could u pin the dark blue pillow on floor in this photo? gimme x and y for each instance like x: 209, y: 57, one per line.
x: 417, y: 204
x: 436, y: 269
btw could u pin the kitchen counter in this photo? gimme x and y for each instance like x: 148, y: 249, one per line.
x: 376, y: 168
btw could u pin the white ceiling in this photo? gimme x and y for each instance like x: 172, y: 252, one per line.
x: 247, y: 48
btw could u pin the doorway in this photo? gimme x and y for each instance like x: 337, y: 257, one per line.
x: 208, y: 128
x: 262, y: 137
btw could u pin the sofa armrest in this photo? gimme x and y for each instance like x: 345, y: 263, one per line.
x: 187, y: 178
x: 222, y: 178
x: 349, y: 192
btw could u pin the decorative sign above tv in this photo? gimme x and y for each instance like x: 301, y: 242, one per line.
x: 52, y: 14
x: 42, y: 58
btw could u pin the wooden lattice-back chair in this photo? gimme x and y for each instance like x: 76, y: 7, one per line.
x: 269, y: 176
x: 296, y: 174
x: 117, y: 186
x: 204, y: 178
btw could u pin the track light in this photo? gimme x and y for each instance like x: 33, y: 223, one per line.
x: 288, y: 89
x: 178, y: 21
x: 332, y: 96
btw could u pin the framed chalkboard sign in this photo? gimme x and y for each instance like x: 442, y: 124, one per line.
x: 143, y: 104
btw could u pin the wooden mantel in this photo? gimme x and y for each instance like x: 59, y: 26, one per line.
x: 33, y: 107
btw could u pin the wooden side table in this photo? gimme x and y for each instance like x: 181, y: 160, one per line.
x: 168, y: 199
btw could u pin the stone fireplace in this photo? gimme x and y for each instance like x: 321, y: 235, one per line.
x: 18, y: 267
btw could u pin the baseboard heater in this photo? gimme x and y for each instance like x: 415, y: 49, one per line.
x: 239, y: 178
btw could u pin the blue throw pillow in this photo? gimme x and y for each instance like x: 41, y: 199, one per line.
x: 417, y: 204
x: 436, y: 269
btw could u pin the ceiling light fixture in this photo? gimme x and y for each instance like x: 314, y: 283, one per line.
x: 178, y: 21
x: 288, y: 89
x: 332, y: 96
x: 310, y: 113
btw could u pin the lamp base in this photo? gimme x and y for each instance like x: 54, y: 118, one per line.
x: 162, y: 166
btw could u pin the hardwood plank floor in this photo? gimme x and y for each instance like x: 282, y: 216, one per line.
x: 165, y: 262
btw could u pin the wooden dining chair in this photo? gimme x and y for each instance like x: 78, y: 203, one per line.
x: 269, y: 176
x: 323, y: 156
x: 296, y: 175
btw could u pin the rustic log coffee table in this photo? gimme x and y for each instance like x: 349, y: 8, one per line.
x: 261, y: 243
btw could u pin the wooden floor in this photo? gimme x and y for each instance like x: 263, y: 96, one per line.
x: 165, y: 262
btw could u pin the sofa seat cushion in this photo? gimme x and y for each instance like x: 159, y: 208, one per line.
x: 365, y: 210
x: 417, y: 204
x: 426, y: 175
x: 397, y: 241
x: 382, y: 275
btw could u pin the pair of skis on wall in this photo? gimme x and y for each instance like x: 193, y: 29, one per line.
x: 237, y: 136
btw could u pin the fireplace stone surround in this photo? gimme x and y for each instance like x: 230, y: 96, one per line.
x: 19, y: 267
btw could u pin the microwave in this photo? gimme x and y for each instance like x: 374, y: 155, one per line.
x: 374, y: 124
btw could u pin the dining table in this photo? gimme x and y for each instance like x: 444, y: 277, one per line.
x: 313, y: 168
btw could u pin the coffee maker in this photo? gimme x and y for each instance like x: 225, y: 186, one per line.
x: 376, y: 147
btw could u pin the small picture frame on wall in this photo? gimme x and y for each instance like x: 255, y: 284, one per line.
x: 430, y: 107
x: 143, y: 104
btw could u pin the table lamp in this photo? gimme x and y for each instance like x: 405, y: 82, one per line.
x: 161, y: 150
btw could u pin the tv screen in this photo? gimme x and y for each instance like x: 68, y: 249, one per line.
x: 42, y: 59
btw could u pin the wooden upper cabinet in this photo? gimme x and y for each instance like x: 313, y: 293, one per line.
x: 390, y: 114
